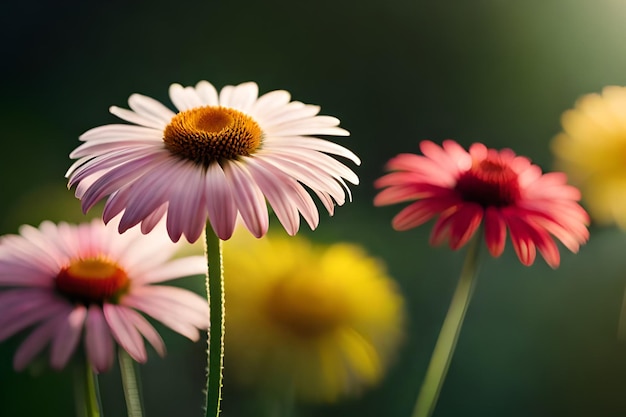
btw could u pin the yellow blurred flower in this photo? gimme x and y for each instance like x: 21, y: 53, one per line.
x: 592, y: 150
x: 317, y: 322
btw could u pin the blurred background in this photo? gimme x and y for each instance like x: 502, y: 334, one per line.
x: 536, y: 342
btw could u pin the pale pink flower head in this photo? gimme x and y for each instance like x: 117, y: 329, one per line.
x: 221, y: 155
x: 68, y: 283
x: 485, y: 186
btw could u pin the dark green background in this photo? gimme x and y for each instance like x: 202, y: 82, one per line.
x: 536, y: 342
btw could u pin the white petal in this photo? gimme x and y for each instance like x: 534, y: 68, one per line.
x: 207, y: 93
x: 242, y: 97
x: 132, y: 117
x: 269, y: 103
x: 150, y: 108
x: 184, y: 98
x: 113, y: 131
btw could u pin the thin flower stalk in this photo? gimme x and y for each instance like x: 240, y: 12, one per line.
x: 86, y: 391
x: 216, y: 296
x: 449, y: 333
x: 130, y: 384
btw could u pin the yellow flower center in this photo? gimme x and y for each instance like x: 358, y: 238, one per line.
x: 92, y: 280
x: 211, y: 134
x: 306, y: 307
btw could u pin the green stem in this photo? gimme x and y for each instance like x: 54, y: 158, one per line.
x: 215, y: 294
x: 449, y: 334
x: 86, y: 391
x: 132, y: 389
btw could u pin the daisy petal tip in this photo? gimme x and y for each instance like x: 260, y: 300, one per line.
x: 174, y: 236
x: 224, y: 234
x: 258, y: 232
x: 495, y: 250
x: 174, y: 87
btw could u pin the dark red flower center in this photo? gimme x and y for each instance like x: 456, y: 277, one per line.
x: 490, y: 183
x: 92, y: 280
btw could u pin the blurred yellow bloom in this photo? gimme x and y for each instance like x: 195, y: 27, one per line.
x: 592, y: 150
x: 315, y: 322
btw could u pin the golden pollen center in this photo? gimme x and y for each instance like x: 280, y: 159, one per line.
x: 305, y: 307
x: 489, y: 183
x: 211, y: 134
x: 92, y: 280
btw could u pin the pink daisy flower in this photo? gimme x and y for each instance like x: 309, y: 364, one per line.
x: 222, y: 154
x: 485, y: 186
x: 87, y: 281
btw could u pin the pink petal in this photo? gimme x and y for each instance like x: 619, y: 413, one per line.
x: 106, y: 158
x: 523, y: 242
x: 293, y: 192
x: 147, y: 331
x: 22, y: 308
x: 250, y: 200
x: 98, y: 340
x: 464, y: 224
x: 307, y: 173
x: 277, y: 190
x: 420, y: 212
x: 495, y: 231
x: 437, y: 154
x: 37, y: 341
x: 147, y: 194
x: 411, y: 191
x: 67, y: 337
x: 25, y: 274
x: 180, y: 310
x: 151, y: 220
x: 457, y: 224
x: 120, y: 176
x: 183, y: 267
x: 187, y: 211
x: 220, y: 202
x: 319, y: 145
x: 329, y: 166
x: 124, y: 332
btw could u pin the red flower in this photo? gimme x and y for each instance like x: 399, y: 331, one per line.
x: 498, y: 187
